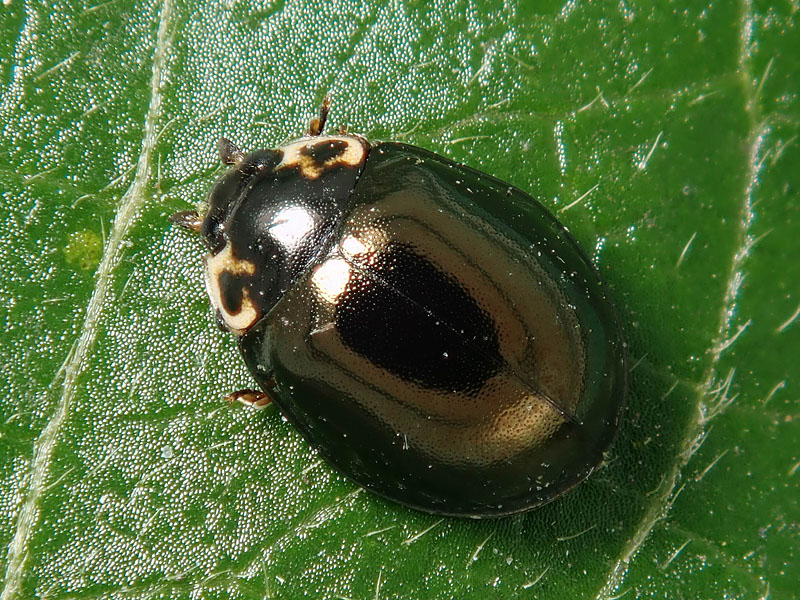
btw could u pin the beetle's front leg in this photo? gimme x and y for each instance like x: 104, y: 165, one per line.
x: 188, y: 219
x: 317, y: 124
x: 229, y: 152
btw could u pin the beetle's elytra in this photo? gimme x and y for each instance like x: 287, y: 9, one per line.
x: 435, y: 333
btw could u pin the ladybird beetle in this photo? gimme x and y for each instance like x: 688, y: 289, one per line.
x: 434, y: 333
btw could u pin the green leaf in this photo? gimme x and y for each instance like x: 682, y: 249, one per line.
x: 666, y: 137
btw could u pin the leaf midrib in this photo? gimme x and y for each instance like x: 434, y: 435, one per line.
x: 131, y: 202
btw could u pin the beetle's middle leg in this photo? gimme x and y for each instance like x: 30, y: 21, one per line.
x: 248, y: 397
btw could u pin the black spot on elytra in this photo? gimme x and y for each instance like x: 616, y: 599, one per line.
x: 322, y: 152
x: 410, y: 318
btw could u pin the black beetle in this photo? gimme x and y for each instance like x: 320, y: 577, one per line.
x: 436, y: 334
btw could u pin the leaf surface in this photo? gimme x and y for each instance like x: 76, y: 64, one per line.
x: 665, y: 137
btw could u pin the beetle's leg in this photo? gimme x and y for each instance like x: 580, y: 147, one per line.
x: 342, y: 130
x: 229, y: 152
x: 252, y: 398
x: 317, y: 124
x: 188, y: 219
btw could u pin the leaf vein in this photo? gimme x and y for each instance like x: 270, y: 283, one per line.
x: 28, y: 516
x: 718, y: 398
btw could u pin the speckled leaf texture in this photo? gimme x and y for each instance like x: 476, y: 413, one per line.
x: 665, y: 135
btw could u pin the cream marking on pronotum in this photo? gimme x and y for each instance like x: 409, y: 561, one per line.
x: 352, y: 155
x: 28, y: 517
x: 218, y: 265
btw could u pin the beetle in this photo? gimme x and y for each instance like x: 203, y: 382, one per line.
x: 433, y: 332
